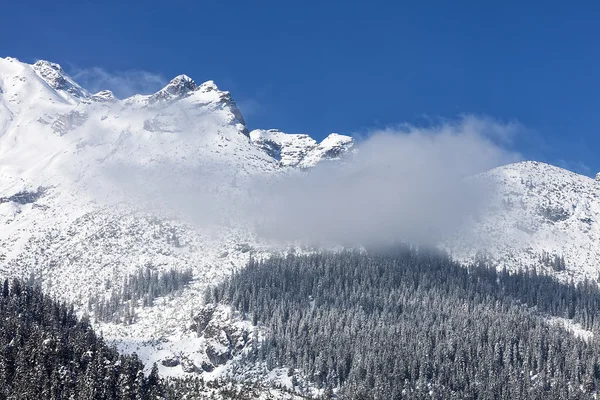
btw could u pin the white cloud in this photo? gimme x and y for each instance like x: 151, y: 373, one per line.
x: 406, y: 183
x: 576, y: 166
x: 250, y: 107
x: 122, y: 83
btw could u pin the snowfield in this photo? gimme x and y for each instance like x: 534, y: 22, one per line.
x: 80, y: 208
x: 536, y: 209
x: 85, y: 180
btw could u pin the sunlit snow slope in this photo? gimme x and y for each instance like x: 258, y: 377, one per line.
x: 88, y: 183
x: 538, y: 214
x: 80, y: 207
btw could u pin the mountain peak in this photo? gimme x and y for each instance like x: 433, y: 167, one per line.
x: 542, y: 169
x: 300, y: 150
x: 57, y: 79
x: 210, y: 90
x: 182, y: 81
x: 208, y: 86
x: 336, y: 140
x: 43, y: 64
x: 104, y: 96
x: 178, y: 87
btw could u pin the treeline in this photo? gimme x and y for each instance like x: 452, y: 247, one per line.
x: 138, y: 289
x: 46, y: 352
x: 410, y: 324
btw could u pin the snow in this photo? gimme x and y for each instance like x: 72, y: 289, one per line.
x: 300, y: 150
x: 177, y: 88
x: 82, y: 239
x: 103, y: 96
x: 536, y: 208
x: 64, y: 85
x: 180, y: 353
x: 573, y: 327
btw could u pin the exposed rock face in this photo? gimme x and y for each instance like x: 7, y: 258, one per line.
x: 189, y: 367
x: 177, y: 88
x: 300, y: 150
x: 202, y: 319
x: 207, y: 367
x: 54, y: 76
x: 65, y: 123
x: 24, y: 197
x: 170, y: 362
x: 226, y: 334
x: 103, y: 96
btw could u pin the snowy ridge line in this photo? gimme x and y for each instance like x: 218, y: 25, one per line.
x: 82, y: 240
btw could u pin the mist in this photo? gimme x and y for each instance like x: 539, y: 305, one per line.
x: 406, y: 183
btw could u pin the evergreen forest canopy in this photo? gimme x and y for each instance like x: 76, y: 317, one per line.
x: 46, y: 352
x: 413, y: 324
x: 394, y: 324
x: 140, y: 288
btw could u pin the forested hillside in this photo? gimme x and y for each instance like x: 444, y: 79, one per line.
x: 46, y: 352
x: 414, y: 324
x: 394, y: 324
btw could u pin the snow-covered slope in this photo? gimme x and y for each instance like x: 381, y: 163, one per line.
x: 83, y: 183
x: 80, y: 208
x: 300, y: 150
x: 539, y: 216
x: 69, y: 163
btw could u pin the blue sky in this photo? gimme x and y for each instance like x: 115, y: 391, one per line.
x: 349, y: 67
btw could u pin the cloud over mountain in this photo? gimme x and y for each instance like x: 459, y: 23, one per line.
x: 402, y: 183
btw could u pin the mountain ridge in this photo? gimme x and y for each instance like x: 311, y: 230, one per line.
x: 80, y: 204
x: 66, y: 90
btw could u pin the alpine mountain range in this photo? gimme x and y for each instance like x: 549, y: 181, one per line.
x: 83, y: 217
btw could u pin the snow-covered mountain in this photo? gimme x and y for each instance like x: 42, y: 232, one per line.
x: 80, y: 210
x: 540, y: 216
x: 300, y: 150
x: 62, y: 150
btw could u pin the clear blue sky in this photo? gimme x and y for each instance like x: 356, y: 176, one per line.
x: 348, y: 66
